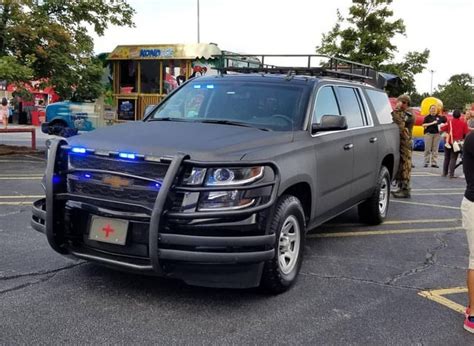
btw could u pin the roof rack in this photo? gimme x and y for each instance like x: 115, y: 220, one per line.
x: 328, y: 66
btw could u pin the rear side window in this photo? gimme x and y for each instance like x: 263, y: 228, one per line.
x: 381, y: 104
x: 351, y: 106
x: 326, y: 104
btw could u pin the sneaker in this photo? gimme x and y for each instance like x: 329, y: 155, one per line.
x: 425, y: 165
x: 469, y: 324
x: 435, y: 166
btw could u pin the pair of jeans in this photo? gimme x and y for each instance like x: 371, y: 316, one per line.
x: 450, y: 158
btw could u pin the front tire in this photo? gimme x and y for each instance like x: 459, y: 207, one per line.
x: 288, y: 224
x: 374, y: 210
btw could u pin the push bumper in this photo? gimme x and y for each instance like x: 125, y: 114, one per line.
x: 218, y: 261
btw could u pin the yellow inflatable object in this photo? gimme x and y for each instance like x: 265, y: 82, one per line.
x: 417, y: 131
x: 428, y: 102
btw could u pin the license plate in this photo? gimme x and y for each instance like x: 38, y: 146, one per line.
x: 108, y: 230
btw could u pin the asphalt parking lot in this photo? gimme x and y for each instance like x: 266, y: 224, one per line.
x: 402, y: 282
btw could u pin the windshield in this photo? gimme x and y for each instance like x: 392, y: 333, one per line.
x: 263, y: 105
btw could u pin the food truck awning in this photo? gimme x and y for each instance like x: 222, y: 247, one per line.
x: 165, y: 51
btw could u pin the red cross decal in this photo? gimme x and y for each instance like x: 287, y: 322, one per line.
x: 107, y: 229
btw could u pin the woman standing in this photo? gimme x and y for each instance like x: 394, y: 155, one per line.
x: 4, y: 112
x: 469, y: 116
x: 430, y: 124
x: 457, y: 130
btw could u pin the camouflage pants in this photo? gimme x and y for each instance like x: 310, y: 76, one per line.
x: 404, y: 168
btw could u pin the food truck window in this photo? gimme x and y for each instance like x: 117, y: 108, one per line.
x: 171, y: 70
x: 128, y: 76
x: 150, y: 77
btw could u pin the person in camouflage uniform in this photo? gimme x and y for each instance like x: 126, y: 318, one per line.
x: 405, y: 121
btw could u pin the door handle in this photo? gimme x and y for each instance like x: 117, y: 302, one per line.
x: 373, y: 140
x: 348, y: 146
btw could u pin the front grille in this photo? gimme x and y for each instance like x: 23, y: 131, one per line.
x: 144, y: 169
x: 130, y: 194
x: 137, y: 190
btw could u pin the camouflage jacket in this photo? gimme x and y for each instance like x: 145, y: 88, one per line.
x: 405, y: 121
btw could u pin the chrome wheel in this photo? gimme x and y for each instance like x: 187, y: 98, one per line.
x: 289, y: 244
x: 383, y: 196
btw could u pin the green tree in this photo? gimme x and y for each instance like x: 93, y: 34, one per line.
x: 48, y: 40
x: 366, y: 36
x: 457, y: 92
x: 412, y: 64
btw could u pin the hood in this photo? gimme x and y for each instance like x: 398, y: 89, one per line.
x: 203, y: 142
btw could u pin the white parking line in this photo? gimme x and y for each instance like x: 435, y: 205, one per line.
x: 441, y: 189
x: 16, y: 203
x: 392, y: 222
x: 21, y: 196
x: 37, y: 177
x: 438, y: 194
x: 383, y: 232
x: 425, y: 204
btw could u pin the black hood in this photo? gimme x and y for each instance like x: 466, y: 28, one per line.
x: 203, y: 142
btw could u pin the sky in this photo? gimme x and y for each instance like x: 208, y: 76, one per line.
x: 445, y: 27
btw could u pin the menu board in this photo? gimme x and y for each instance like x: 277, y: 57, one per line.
x: 126, y: 109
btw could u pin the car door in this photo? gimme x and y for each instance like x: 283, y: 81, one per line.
x: 334, y: 158
x: 364, y: 136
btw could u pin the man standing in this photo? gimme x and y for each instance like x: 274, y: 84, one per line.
x: 467, y: 209
x: 405, y: 121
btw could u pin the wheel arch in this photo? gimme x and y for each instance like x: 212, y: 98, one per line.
x: 58, y: 121
x: 388, y: 161
x: 302, y: 191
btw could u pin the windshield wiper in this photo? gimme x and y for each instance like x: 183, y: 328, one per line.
x: 167, y: 119
x: 229, y: 122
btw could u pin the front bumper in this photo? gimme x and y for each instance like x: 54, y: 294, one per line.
x: 223, y: 248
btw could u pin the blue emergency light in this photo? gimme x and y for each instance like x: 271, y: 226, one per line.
x: 78, y: 150
x: 129, y: 156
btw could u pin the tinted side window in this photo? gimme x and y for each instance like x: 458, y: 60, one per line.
x: 326, y: 104
x: 383, y: 110
x: 351, y: 107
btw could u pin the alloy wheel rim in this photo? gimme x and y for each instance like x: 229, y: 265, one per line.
x: 383, y: 196
x: 289, y: 244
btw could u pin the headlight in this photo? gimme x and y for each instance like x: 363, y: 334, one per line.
x: 233, y: 176
x: 224, y: 200
x: 196, y: 177
x: 224, y: 177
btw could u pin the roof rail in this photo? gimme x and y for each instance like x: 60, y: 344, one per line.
x: 328, y: 66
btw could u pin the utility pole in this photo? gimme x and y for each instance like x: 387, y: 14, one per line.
x: 198, y: 21
x: 431, y: 90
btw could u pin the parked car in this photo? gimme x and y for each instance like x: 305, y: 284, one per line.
x: 67, y: 118
x: 220, y: 183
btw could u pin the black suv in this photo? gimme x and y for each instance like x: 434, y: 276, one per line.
x: 220, y: 183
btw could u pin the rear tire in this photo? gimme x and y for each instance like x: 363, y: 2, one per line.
x: 288, y: 224
x: 56, y: 128
x: 374, y: 210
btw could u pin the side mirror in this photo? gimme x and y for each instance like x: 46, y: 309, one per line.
x: 330, y: 123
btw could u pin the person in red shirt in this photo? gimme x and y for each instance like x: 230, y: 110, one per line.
x: 457, y: 130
